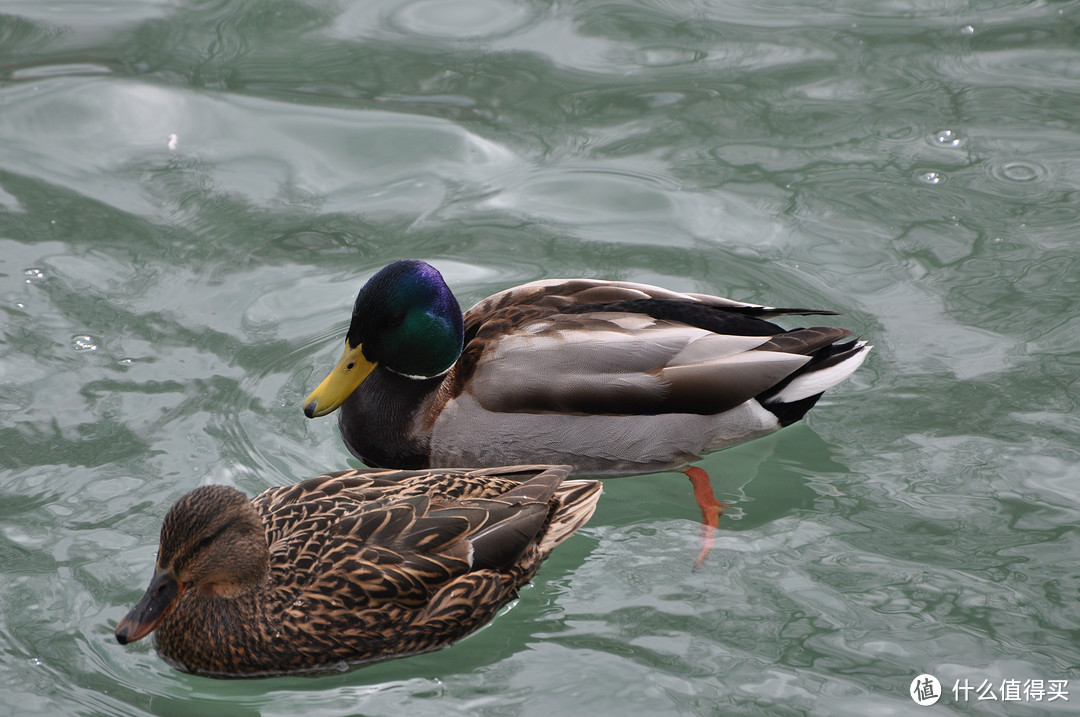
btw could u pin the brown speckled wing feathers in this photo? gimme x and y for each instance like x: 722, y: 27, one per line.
x: 367, y: 565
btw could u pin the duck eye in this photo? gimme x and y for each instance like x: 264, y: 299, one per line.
x: 397, y: 319
x: 205, y: 543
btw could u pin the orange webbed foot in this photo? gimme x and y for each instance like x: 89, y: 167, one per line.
x: 711, y: 510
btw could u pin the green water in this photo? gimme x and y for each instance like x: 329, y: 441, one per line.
x: 191, y: 192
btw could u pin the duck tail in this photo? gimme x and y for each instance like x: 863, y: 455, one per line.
x: 575, y: 502
x: 790, y: 399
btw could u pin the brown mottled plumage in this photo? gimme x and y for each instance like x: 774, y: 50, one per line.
x: 350, y: 567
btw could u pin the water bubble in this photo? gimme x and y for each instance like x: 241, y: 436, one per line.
x: 126, y: 361
x: 33, y: 275
x: 930, y: 177
x: 947, y: 138
x: 967, y: 30
x: 84, y: 343
x: 173, y: 141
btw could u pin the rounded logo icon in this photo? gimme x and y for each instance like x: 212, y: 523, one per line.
x: 925, y: 690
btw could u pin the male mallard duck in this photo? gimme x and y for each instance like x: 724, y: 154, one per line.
x: 611, y: 377
x: 348, y: 567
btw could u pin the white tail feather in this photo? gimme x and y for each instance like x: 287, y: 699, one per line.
x: 815, y: 382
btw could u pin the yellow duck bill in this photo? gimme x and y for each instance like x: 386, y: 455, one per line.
x: 346, y: 377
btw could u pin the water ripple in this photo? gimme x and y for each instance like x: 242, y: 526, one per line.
x: 467, y: 21
x: 1019, y: 171
x: 911, y: 164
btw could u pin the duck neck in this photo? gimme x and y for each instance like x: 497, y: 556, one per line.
x: 213, y: 634
x: 381, y: 420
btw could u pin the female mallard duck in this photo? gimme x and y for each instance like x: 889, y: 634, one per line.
x: 348, y: 567
x: 611, y: 377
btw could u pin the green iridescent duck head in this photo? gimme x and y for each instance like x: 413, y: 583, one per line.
x: 406, y: 320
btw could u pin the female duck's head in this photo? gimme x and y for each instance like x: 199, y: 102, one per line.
x: 405, y: 320
x: 212, y: 541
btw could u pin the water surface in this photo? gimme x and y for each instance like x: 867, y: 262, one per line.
x: 192, y: 192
